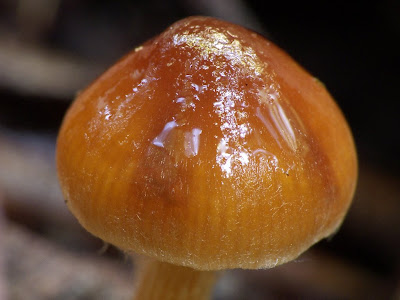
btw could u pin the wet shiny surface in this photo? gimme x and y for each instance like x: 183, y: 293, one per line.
x: 208, y: 147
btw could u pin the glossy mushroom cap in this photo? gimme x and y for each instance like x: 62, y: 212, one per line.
x: 208, y: 147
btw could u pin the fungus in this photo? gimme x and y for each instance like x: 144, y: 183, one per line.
x: 206, y: 148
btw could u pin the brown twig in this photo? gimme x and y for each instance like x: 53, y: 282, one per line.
x: 28, y: 178
x: 37, y: 269
x: 38, y: 71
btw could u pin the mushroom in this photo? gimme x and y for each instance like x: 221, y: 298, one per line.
x: 206, y: 148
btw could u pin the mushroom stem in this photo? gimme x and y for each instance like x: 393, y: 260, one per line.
x: 159, y: 280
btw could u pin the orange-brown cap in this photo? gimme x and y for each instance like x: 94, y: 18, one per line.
x: 208, y: 147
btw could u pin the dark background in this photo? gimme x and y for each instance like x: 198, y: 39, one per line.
x: 51, y: 49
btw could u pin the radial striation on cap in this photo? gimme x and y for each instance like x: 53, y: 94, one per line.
x: 208, y: 147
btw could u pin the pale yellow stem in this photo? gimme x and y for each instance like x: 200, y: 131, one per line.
x: 156, y: 280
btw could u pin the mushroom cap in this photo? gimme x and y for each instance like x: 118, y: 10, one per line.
x: 208, y: 147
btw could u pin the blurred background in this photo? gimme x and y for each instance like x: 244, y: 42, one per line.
x: 50, y: 49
